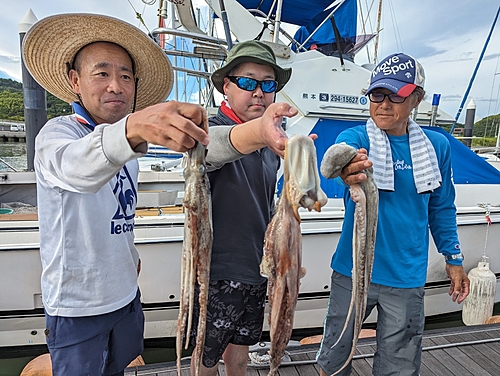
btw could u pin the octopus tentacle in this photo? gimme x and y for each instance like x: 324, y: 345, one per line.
x: 359, y: 242
x: 365, y: 195
x: 282, y: 259
x: 196, y: 254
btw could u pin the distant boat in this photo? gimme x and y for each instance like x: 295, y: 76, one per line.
x: 160, y: 158
x: 155, y: 151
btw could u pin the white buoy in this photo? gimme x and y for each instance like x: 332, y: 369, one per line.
x: 478, y: 306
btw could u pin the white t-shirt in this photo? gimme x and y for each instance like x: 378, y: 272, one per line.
x: 87, y: 193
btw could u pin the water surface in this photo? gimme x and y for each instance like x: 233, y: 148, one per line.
x: 14, y: 154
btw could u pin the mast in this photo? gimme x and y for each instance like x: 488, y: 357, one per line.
x: 34, y: 95
x: 225, y: 23
x: 277, y: 22
x: 379, y: 16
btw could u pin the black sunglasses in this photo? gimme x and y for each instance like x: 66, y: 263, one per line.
x: 377, y: 97
x: 250, y: 84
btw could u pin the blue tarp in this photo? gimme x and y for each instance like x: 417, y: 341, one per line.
x: 297, y: 12
x: 345, y: 19
x: 468, y: 167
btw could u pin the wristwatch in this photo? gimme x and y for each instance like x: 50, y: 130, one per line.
x: 456, y: 256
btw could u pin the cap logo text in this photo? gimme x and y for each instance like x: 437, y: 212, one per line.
x: 392, y: 66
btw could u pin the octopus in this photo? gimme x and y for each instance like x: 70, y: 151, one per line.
x: 196, y: 252
x: 365, y: 195
x: 282, y: 259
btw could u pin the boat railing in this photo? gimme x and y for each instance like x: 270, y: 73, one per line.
x: 8, y: 165
x: 216, y: 42
x: 192, y: 72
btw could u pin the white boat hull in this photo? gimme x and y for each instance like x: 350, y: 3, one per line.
x: 159, y: 241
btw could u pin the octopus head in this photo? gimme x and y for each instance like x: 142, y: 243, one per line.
x: 301, y: 174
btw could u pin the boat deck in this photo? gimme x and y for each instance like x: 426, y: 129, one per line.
x: 464, y: 351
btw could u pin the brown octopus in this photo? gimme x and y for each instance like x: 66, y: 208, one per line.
x: 196, y: 252
x: 282, y: 259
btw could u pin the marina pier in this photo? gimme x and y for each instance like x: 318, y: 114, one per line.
x: 12, y: 136
x: 464, y: 351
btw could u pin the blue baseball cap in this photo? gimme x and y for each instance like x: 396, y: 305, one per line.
x: 400, y: 73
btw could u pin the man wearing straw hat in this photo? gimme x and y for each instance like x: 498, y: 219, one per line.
x: 243, y: 182
x: 87, y: 171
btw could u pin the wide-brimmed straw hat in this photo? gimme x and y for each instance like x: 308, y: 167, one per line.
x: 250, y: 51
x: 51, y: 44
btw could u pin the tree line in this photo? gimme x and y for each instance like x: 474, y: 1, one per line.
x: 12, y: 104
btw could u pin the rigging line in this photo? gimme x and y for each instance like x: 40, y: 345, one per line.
x: 365, y: 21
x: 203, y: 22
x: 258, y: 6
x: 397, y: 35
x: 493, y: 83
x: 368, y: 13
x: 362, y: 23
x: 379, y: 16
x: 497, y: 100
x: 139, y: 16
x: 474, y: 73
x: 193, y: 89
x: 193, y: 14
x: 488, y: 118
x: 332, y: 9
x: 360, y: 7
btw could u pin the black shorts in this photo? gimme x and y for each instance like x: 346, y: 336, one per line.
x: 235, y: 315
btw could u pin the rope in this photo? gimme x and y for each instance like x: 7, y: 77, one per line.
x: 139, y: 16
x: 264, y: 27
x: 8, y: 165
x: 486, y: 208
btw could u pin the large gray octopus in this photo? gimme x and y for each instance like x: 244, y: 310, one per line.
x: 365, y: 194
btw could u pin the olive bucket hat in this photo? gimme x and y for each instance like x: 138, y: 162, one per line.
x: 250, y: 51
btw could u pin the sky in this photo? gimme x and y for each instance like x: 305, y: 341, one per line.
x: 445, y: 36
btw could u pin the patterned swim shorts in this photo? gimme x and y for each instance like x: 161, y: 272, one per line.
x: 235, y: 315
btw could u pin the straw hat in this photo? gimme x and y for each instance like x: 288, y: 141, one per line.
x: 50, y: 45
x: 250, y: 51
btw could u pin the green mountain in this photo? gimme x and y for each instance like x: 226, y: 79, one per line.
x: 12, y: 105
x: 487, y: 127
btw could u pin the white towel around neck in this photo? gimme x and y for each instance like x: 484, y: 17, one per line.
x: 426, y: 172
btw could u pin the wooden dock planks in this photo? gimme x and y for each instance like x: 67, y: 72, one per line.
x: 462, y: 351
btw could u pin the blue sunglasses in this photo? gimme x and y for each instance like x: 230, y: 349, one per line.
x: 250, y: 84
